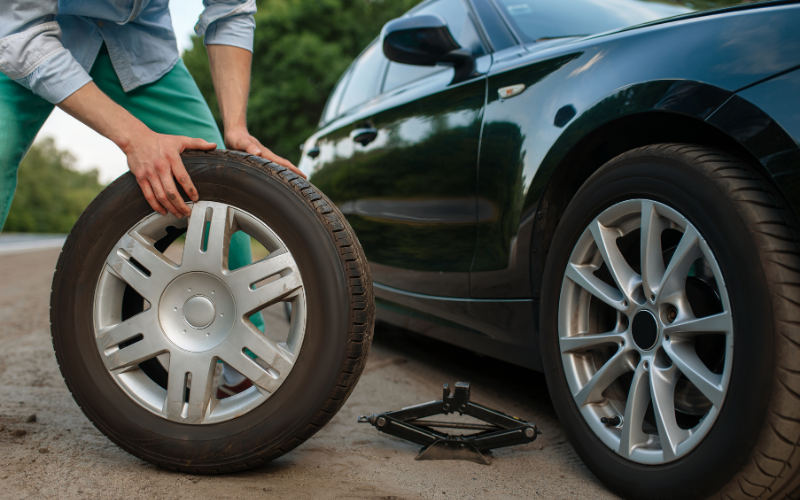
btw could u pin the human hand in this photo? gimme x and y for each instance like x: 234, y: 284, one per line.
x: 241, y: 140
x: 154, y: 159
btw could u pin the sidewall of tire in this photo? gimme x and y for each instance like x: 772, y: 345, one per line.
x: 730, y: 441
x: 286, y: 414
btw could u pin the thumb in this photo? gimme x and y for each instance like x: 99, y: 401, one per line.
x: 253, y: 149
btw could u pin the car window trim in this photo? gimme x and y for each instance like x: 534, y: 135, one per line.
x: 509, y: 26
x: 479, y: 27
x: 503, y: 21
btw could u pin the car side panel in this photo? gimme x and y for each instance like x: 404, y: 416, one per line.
x: 413, y: 207
x: 330, y: 171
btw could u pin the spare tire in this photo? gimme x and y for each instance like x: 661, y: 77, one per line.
x: 139, y: 327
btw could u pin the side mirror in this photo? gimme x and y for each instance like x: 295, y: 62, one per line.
x: 419, y: 40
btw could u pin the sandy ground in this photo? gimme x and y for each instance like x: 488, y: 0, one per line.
x: 58, y: 453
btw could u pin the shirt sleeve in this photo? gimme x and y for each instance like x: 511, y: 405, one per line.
x: 228, y: 23
x: 31, y: 52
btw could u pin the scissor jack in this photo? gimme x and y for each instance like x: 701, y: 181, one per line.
x: 499, y: 430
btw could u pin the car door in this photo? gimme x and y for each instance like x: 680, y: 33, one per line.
x: 413, y: 175
x: 328, y: 153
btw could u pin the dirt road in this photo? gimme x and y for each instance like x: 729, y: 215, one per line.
x: 49, y: 449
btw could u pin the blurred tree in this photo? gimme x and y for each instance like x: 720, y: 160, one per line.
x: 301, y: 49
x: 51, y: 193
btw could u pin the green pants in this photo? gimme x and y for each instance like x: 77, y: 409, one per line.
x: 172, y: 105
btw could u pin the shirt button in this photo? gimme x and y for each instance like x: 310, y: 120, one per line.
x: 100, y: 24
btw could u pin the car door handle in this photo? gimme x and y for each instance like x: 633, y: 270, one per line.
x: 364, y: 136
x: 313, y: 152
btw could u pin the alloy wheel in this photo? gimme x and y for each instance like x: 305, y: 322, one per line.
x: 645, y: 331
x: 195, y: 313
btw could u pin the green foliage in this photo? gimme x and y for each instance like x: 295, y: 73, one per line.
x: 301, y: 49
x: 51, y: 194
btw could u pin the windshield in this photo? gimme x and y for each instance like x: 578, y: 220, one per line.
x: 537, y: 20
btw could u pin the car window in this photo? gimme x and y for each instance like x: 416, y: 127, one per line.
x: 401, y: 74
x: 332, y: 107
x: 363, y: 78
x: 461, y: 27
x: 535, y: 20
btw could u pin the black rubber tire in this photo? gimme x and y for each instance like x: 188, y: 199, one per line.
x: 340, y: 318
x: 752, y: 449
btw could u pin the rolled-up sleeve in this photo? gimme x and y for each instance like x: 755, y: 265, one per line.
x: 31, y: 52
x: 228, y: 23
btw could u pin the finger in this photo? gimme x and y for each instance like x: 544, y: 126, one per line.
x: 269, y: 155
x: 161, y: 196
x: 183, y: 178
x: 150, y: 197
x: 253, y: 149
x: 193, y: 143
x: 171, y: 190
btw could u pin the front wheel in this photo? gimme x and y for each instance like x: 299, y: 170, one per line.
x: 669, y: 327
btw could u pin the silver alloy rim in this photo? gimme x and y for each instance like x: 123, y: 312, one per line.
x: 196, y: 313
x: 613, y: 371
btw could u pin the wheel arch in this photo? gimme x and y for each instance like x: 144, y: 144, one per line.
x: 602, y: 144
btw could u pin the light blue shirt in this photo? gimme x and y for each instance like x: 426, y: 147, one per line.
x: 49, y: 46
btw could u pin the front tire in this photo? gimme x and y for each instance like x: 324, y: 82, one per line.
x: 138, y: 332
x: 670, y: 308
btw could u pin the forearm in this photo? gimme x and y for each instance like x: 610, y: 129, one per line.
x: 230, y: 72
x: 92, y: 107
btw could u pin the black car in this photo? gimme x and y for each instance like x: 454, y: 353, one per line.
x: 608, y: 192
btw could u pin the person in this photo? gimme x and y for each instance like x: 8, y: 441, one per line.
x: 114, y: 65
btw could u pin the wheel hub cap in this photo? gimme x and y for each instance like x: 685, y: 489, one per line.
x: 645, y: 330
x: 197, y: 311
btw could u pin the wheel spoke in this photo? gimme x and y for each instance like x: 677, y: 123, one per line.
x: 651, y: 258
x: 592, y: 392
x: 717, y: 323
x: 278, y: 363
x: 662, y: 394
x: 606, y: 240
x: 584, y: 277
x: 674, y: 279
x: 579, y: 343
x: 161, y: 271
x: 635, y: 409
x: 150, y: 346
x: 243, y: 278
x: 249, y: 301
x: 210, y: 222
x: 144, y: 323
x: 685, y: 358
x: 193, y: 410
